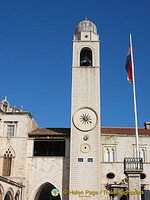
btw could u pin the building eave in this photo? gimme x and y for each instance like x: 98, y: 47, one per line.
x: 50, y: 132
x: 6, y: 180
x: 19, y: 113
x: 124, y: 131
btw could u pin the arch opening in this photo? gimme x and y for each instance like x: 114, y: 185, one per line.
x: 17, y: 196
x: 86, y: 57
x: 0, y: 194
x: 44, y: 193
x: 124, y: 197
x: 8, y: 196
x: 1, y: 191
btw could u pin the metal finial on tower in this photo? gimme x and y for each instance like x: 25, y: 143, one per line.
x: 86, y: 18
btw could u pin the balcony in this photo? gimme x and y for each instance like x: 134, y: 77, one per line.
x: 133, y: 165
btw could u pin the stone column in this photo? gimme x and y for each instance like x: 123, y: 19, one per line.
x: 133, y: 167
x: 134, y: 185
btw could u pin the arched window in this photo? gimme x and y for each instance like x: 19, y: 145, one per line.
x: 86, y: 57
x: 107, y: 158
x: 17, y: 196
x: 7, y: 163
x: 142, y: 154
x: 112, y: 155
x: 8, y: 196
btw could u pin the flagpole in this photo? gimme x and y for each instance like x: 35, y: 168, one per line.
x: 135, y: 108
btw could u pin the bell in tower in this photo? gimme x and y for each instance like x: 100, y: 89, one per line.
x: 86, y: 57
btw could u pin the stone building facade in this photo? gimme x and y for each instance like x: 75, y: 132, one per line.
x: 84, y: 162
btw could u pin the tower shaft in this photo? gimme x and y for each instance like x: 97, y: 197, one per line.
x: 85, y: 113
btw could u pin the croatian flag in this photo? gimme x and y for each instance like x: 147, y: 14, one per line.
x: 128, y: 65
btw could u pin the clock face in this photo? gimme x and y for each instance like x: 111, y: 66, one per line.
x: 85, y: 119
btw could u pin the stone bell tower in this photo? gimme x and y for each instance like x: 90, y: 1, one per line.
x: 85, y: 114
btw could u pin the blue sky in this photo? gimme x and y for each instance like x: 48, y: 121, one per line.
x: 36, y: 57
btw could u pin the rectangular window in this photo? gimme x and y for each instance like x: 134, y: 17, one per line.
x: 80, y: 159
x: 7, y: 166
x: 49, y: 148
x: 10, y: 130
x: 90, y: 159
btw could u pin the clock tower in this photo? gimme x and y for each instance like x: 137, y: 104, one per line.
x: 85, y: 114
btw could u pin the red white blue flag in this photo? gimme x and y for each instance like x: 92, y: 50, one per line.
x: 128, y: 65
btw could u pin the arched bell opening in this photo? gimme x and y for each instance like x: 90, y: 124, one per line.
x: 47, y: 191
x: 8, y: 196
x: 86, y: 57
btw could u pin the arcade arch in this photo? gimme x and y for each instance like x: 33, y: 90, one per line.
x: 8, y: 196
x: 1, y: 192
x: 17, y: 196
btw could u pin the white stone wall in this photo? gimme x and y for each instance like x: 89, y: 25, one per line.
x: 85, y: 93
x: 26, y: 169
x: 124, y: 147
x: 42, y: 170
x: 46, y: 169
x: 17, y: 144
